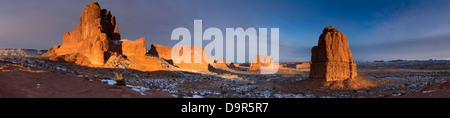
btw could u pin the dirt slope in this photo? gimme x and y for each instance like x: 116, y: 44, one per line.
x: 17, y: 81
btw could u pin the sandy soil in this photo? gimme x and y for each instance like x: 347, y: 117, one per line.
x: 439, y: 90
x: 38, y: 77
x: 18, y: 81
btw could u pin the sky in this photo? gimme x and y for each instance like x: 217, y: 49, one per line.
x: 376, y: 29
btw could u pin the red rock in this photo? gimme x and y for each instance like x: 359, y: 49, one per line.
x: 196, y: 52
x: 94, y: 38
x: 145, y: 63
x: 303, y: 65
x: 96, y: 41
x: 220, y: 63
x: 161, y: 51
x: 260, y: 61
x: 134, y: 48
x: 165, y: 52
x: 234, y: 65
x: 332, y: 59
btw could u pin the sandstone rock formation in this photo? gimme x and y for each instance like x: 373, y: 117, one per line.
x: 303, y: 65
x: 165, y: 52
x: 234, y: 65
x: 93, y: 40
x: 96, y: 42
x: 260, y: 61
x: 161, y: 51
x: 134, y: 48
x: 196, y: 52
x: 220, y: 63
x: 331, y: 59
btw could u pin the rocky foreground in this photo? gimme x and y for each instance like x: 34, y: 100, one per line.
x: 39, y: 77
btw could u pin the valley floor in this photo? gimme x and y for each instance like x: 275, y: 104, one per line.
x: 27, y: 77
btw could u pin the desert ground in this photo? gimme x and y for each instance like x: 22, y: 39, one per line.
x: 37, y: 77
x: 94, y: 61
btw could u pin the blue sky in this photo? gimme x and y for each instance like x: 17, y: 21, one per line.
x: 376, y: 29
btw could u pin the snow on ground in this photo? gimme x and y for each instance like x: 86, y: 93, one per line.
x: 428, y: 91
x: 109, y: 82
x: 194, y: 96
x: 406, y: 76
x: 139, y: 89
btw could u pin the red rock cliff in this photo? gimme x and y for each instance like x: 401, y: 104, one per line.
x: 92, y: 41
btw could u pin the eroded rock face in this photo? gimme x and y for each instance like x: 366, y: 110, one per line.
x: 161, y: 51
x: 260, y: 61
x: 196, y: 52
x: 303, y: 65
x: 94, y: 39
x: 134, y: 48
x: 96, y: 43
x: 220, y: 63
x: 331, y: 59
x: 165, y: 52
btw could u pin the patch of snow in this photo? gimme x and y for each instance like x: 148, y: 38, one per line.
x: 173, y: 95
x: 428, y: 91
x: 194, y: 96
x: 393, y: 77
x: 139, y: 89
x: 109, y: 82
x: 398, y: 94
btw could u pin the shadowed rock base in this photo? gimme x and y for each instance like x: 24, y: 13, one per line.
x: 334, y: 71
x: 357, y: 82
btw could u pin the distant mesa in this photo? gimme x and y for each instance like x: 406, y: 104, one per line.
x: 331, y: 59
x: 304, y: 65
x: 260, y: 61
x: 221, y: 63
x: 22, y: 52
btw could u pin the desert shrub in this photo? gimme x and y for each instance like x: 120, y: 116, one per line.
x: 119, y: 81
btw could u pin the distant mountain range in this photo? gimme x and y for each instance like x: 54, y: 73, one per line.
x: 22, y: 52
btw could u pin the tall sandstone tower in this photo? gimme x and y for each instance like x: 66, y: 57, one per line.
x: 332, y: 59
x: 93, y: 40
x: 96, y: 42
